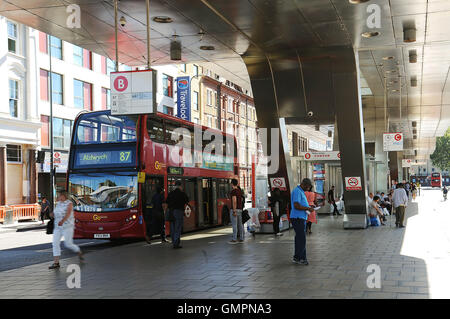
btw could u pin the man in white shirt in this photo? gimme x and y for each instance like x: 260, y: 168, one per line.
x: 400, y: 201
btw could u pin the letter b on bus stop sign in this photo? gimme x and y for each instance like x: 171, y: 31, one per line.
x: 120, y: 83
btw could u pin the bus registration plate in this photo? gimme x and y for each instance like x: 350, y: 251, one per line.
x: 102, y: 235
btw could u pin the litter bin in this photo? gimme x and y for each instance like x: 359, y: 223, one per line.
x: 9, y: 216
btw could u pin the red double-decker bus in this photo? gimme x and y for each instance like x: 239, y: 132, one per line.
x: 436, y: 180
x: 116, y: 163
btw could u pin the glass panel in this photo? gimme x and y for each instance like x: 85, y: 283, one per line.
x: 78, y: 55
x: 103, y: 192
x: 67, y: 132
x: 155, y: 130
x: 12, y: 45
x: 117, y: 128
x: 78, y: 94
x: 57, y: 88
x: 56, y: 47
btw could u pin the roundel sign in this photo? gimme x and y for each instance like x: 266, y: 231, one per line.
x: 187, y: 211
x: 120, y: 83
x: 339, y: 155
x: 398, y: 137
x: 307, y: 155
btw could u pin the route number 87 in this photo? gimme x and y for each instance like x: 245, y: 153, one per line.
x: 125, y: 156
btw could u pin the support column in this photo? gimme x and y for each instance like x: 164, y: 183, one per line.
x: 393, y: 166
x: 351, y: 138
x: 381, y: 181
x: 2, y: 175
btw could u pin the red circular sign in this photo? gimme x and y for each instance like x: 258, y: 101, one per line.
x: 277, y: 182
x: 56, y: 155
x: 120, y: 83
x: 307, y: 156
x: 353, y: 181
x: 398, y: 137
x: 339, y: 155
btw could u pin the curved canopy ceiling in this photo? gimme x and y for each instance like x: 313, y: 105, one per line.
x: 231, y: 26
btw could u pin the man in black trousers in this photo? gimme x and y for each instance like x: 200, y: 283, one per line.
x: 177, y: 201
x: 332, y: 201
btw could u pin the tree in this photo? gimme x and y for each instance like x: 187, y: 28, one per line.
x: 441, y: 155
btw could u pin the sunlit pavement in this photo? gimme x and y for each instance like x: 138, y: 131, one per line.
x: 414, y: 263
x: 428, y: 237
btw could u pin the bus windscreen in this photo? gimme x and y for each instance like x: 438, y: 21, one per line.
x: 103, y: 192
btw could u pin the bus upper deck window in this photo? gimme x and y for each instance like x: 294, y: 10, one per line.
x: 155, y: 130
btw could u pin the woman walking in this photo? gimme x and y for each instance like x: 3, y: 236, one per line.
x: 64, y: 226
x: 312, y: 217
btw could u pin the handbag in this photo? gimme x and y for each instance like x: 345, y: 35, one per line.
x: 245, y: 216
x: 50, y: 226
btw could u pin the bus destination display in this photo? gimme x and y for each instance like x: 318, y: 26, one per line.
x: 114, y: 157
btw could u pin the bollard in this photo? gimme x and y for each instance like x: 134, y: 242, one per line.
x: 9, y: 216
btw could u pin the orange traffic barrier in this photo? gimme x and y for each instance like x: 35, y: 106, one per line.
x: 2, y: 214
x: 22, y: 212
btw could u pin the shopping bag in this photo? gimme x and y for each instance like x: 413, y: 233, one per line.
x: 245, y: 216
x: 50, y: 226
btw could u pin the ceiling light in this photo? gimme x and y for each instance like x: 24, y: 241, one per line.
x: 394, y: 90
x: 409, y: 35
x: 175, y: 49
x: 357, y: 1
x: 388, y: 58
x: 122, y: 21
x: 412, y: 56
x: 207, y: 47
x: 162, y: 19
x: 370, y: 34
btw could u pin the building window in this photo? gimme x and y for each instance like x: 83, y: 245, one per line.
x: 14, y: 98
x: 12, y: 37
x: 183, y: 68
x: 195, y: 70
x: 168, y: 110
x: 209, y: 121
x: 196, y: 120
x: 82, y: 94
x: 209, y: 97
x: 230, y: 104
x: 61, y: 133
x: 215, y: 99
x: 78, y: 55
x: 110, y: 66
x: 57, y: 87
x: 56, y: 47
x: 167, y: 85
x: 195, y: 100
x: 13, y: 153
x: 106, y: 99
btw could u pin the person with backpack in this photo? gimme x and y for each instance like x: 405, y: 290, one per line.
x: 236, y: 213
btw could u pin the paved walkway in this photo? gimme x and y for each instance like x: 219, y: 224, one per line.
x: 414, y: 263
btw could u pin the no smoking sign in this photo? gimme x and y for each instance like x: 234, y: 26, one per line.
x: 353, y: 183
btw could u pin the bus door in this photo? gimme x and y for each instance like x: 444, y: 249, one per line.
x: 148, y: 191
x: 213, y: 201
x: 206, y: 199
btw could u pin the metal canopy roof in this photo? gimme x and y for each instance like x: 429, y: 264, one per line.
x: 231, y: 25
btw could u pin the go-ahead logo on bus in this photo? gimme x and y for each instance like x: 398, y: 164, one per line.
x: 98, y: 217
